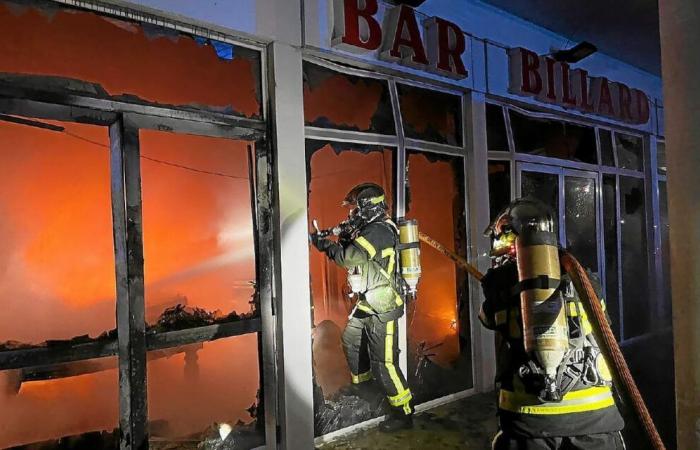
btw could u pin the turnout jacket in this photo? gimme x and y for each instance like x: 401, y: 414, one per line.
x: 588, y: 407
x: 371, y: 253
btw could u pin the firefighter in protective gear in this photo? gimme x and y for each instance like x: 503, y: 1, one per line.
x: 367, y: 249
x: 582, y: 415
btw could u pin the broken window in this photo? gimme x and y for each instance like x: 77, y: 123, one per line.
x: 496, y: 135
x: 633, y: 232
x: 201, y: 391
x: 553, y: 138
x: 334, y: 168
x: 439, y: 330
x: 612, y: 279
x: 545, y: 188
x: 57, y: 279
x: 77, y: 401
x: 499, y: 186
x: 103, y: 56
x: 431, y: 115
x: 580, y: 220
x: 606, y: 147
x: 197, y: 230
x: 347, y: 102
x: 629, y: 151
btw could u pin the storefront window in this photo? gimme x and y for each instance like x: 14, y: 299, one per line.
x: 197, y: 230
x: 496, y: 135
x: 610, y: 224
x: 195, y: 389
x: 543, y: 187
x: 57, y: 279
x: 334, y: 168
x: 499, y: 186
x: 122, y: 58
x: 431, y: 115
x: 635, y: 290
x: 629, y: 151
x: 552, y: 138
x: 580, y: 215
x: 606, y: 147
x: 347, y: 102
x: 439, y: 342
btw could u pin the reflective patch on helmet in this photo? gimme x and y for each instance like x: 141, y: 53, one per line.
x: 376, y: 200
x: 602, y: 368
x: 504, y: 243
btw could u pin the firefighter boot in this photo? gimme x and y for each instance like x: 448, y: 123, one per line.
x: 400, y: 418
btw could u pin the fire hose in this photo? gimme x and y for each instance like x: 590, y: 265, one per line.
x: 601, y: 331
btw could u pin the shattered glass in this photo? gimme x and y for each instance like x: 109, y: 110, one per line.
x: 610, y: 223
x: 129, y: 60
x: 499, y: 187
x: 57, y: 279
x: 431, y: 115
x: 347, y: 102
x: 198, y: 391
x: 198, y: 232
x: 78, y: 402
x: 439, y: 330
x: 334, y: 168
x: 629, y: 151
x: 496, y: 135
x: 580, y: 216
x: 635, y: 273
x: 606, y: 147
x: 553, y: 138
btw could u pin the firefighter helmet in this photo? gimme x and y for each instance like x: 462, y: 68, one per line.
x: 369, y: 201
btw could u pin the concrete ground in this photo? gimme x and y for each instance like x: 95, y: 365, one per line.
x: 465, y: 424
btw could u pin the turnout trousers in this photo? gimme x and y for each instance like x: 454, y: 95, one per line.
x: 603, y: 441
x: 371, y: 349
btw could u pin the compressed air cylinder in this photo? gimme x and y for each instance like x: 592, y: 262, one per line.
x: 410, y: 253
x: 545, y: 328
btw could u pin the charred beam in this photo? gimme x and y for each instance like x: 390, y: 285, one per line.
x: 74, y: 93
x: 100, y: 348
x: 128, y: 255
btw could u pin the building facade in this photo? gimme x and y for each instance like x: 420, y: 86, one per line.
x: 167, y: 159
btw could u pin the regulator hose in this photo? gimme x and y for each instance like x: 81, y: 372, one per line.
x: 608, y: 345
x: 601, y: 331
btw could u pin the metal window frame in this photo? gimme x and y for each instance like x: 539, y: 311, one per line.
x: 402, y: 144
x: 648, y: 173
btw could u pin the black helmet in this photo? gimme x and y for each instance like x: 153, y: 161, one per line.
x: 369, y: 201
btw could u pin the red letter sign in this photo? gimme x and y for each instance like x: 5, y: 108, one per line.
x: 407, y: 44
x: 357, y: 27
x: 525, y: 78
x: 446, y: 45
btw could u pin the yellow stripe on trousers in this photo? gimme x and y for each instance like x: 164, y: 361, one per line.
x: 403, y: 395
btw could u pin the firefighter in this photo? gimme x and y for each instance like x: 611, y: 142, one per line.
x: 367, y: 249
x: 555, y: 387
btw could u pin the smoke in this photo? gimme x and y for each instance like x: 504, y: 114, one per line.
x: 57, y: 276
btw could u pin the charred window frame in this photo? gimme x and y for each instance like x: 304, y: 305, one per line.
x: 401, y: 143
x: 609, y: 170
x: 21, y: 98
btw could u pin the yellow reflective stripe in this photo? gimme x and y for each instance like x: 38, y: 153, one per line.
x: 401, y: 399
x: 361, y: 378
x: 501, y: 317
x: 365, y: 308
x: 364, y: 243
x: 589, y: 399
x: 404, y: 394
x: 399, y: 300
x: 391, y: 254
x: 376, y: 200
